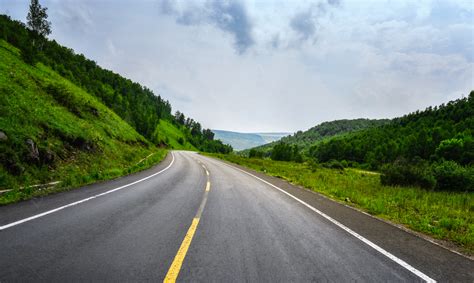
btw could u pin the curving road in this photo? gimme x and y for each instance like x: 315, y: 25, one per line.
x: 194, y: 218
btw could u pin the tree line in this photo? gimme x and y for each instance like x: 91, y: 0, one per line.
x: 433, y: 149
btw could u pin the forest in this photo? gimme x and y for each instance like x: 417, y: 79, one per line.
x: 135, y: 104
x: 433, y: 149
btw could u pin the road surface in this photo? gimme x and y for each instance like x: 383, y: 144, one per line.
x: 193, y: 218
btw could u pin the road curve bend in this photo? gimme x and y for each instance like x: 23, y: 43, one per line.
x: 194, y: 218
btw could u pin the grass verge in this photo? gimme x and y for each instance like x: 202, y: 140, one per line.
x: 442, y: 215
x: 75, y: 176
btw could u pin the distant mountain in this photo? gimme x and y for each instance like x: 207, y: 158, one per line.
x: 323, y: 131
x: 241, y: 141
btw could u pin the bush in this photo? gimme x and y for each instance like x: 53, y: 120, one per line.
x: 451, y: 149
x: 285, y: 152
x: 313, y: 164
x: 334, y: 164
x: 253, y: 153
x: 451, y: 176
x: 405, y: 174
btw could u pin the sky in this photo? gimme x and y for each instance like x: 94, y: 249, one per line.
x: 276, y: 66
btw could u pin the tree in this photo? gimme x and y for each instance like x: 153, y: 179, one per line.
x: 37, y: 19
x: 282, y: 152
x: 208, y: 134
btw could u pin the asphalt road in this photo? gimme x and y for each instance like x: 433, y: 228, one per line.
x: 177, y: 221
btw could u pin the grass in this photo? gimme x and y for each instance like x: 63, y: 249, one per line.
x: 171, y: 135
x: 442, y: 215
x: 78, y: 139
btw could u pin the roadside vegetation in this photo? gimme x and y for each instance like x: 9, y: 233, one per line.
x: 445, y: 215
x: 423, y: 163
x: 431, y: 149
x: 52, y: 130
x: 66, y: 122
x: 135, y: 104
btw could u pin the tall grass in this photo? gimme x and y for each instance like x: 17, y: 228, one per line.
x: 442, y: 215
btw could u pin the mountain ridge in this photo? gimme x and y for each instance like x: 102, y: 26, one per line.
x: 304, y: 139
x: 241, y: 141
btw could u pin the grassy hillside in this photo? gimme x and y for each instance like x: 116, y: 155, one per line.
x: 172, y: 135
x: 135, y: 104
x: 304, y: 139
x: 52, y: 130
x: 240, y: 141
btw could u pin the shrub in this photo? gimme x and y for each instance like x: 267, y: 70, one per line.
x: 451, y: 149
x: 285, y: 152
x: 281, y: 152
x: 334, y: 164
x: 253, y: 153
x: 451, y: 176
x: 313, y: 164
x: 405, y: 174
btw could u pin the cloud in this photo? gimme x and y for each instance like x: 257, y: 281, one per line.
x: 228, y: 16
x: 232, y: 17
x: 306, y: 23
x: 75, y: 14
x: 276, y: 65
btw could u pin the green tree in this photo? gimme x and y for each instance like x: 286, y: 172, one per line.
x: 208, y: 134
x: 451, y: 149
x: 253, y: 153
x: 37, y: 19
x: 41, y: 27
x: 282, y: 152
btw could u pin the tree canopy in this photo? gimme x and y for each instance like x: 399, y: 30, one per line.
x: 37, y: 19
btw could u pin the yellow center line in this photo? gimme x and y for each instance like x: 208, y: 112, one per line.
x: 173, y: 272
x: 177, y: 263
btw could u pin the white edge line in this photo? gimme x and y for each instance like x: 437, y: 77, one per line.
x: 83, y: 200
x: 345, y: 228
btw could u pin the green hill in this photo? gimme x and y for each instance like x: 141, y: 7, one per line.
x: 53, y: 130
x: 303, y: 140
x: 433, y: 149
x: 66, y: 120
x: 135, y: 104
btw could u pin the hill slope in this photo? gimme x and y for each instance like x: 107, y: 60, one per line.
x: 135, y: 104
x: 322, y: 131
x: 444, y: 132
x: 65, y: 120
x: 240, y: 141
x: 52, y: 130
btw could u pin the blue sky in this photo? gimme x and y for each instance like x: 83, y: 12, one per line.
x: 276, y: 65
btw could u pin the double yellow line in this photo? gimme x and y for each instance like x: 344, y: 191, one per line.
x: 175, y: 267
